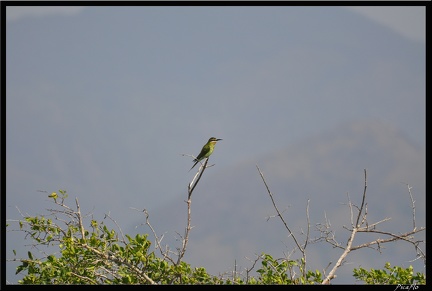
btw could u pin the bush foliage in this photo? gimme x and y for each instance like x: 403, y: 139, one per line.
x: 87, y: 251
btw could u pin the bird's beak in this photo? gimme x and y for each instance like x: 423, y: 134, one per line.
x: 218, y: 139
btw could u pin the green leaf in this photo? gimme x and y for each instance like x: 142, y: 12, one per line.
x: 20, y: 268
x: 53, y: 195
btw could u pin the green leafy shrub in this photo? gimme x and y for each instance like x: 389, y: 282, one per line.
x: 390, y: 275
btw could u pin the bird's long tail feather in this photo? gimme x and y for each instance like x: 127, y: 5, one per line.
x: 196, y: 162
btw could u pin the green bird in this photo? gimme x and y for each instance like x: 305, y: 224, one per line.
x: 206, y: 151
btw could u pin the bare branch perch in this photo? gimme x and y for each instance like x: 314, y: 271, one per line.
x: 193, y: 183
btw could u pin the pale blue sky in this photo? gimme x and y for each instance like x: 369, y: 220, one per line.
x: 407, y: 20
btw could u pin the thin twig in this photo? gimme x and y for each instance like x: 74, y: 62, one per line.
x: 81, y: 227
x: 413, y: 205
x: 158, y: 240
x: 278, y: 212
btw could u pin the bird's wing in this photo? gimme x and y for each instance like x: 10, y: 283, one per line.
x: 202, y: 153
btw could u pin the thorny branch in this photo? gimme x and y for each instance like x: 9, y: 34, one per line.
x: 300, y: 247
x: 359, y: 224
x: 362, y: 225
x: 279, y: 213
